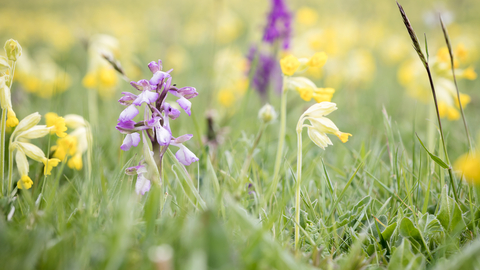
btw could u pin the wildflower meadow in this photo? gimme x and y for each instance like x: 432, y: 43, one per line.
x: 240, y: 134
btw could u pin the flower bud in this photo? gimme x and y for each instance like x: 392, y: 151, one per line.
x: 13, y: 49
x: 267, y: 113
x: 74, y: 121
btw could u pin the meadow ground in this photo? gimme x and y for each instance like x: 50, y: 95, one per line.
x: 238, y: 158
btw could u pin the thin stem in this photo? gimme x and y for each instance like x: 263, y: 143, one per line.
x: 447, y: 40
x: 10, y: 169
x: 297, y: 189
x: 281, y: 137
x: 2, y: 148
x: 441, y: 132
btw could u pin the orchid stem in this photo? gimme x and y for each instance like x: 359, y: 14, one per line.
x: 298, y: 185
x: 281, y: 138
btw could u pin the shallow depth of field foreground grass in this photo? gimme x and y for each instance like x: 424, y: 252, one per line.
x: 252, y: 187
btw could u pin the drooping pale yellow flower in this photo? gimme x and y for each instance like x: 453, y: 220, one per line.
x: 469, y: 166
x: 6, y: 102
x: 320, y: 125
x: 308, y: 90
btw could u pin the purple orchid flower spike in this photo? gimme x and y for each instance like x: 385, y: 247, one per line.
x: 155, y: 124
x: 147, y: 96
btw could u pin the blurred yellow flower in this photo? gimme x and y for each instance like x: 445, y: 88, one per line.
x: 25, y: 182
x: 56, y: 123
x: 306, y: 16
x: 469, y: 166
x: 289, y: 65
x: 318, y: 60
x: 226, y: 97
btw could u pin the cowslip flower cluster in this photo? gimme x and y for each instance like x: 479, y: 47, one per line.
x: 101, y: 76
x: 321, y: 125
x: 73, y: 145
x: 27, y: 130
x: 448, y: 105
x: 156, y: 122
x: 305, y: 87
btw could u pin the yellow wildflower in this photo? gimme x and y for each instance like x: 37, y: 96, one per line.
x: 75, y: 162
x: 289, y: 65
x: 305, y: 93
x: 306, y: 16
x: 12, y: 119
x: 469, y: 165
x: 320, y: 125
x: 13, y: 49
x: 49, y: 164
x: 57, y: 124
x: 25, y: 182
x: 226, y: 97
x: 318, y: 60
x: 323, y: 94
x: 469, y: 74
x: 65, y: 146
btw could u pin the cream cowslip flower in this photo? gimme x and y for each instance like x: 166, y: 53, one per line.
x: 320, y: 125
x: 26, y: 130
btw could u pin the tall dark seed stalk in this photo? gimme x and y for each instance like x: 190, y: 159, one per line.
x: 416, y: 46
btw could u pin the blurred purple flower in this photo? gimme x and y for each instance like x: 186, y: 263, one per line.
x: 279, y: 24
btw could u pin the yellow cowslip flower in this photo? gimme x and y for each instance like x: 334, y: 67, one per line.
x: 226, y: 97
x: 468, y: 73
x: 306, y: 16
x: 65, y: 146
x: 412, y: 76
x: 320, y: 125
x: 289, y: 65
x: 12, y: 119
x: 469, y: 165
x: 76, y: 162
x: 56, y: 123
x: 74, y: 144
x: 25, y: 182
x: 35, y: 153
x: 308, y: 90
x: 323, y: 94
x: 461, y: 52
x: 317, y: 60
